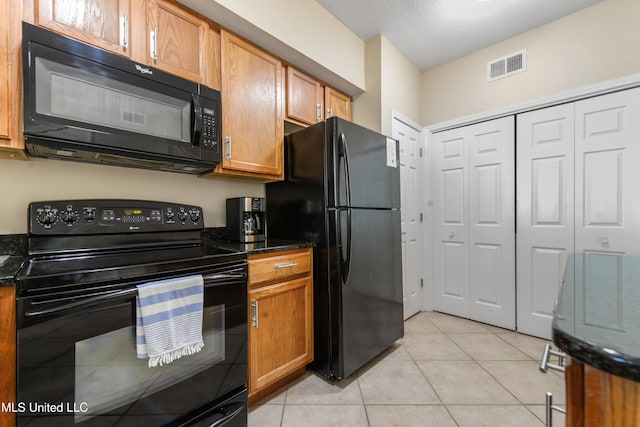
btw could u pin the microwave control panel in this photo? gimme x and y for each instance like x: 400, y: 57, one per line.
x: 211, y: 120
x: 209, y: 128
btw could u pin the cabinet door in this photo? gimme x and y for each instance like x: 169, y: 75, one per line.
x: 102, y: 23
x: 337, y: 104
x: 7, y: 351
x: 281, y: 330
x: 304, y: 98
x: 11, y: 140
x: 178, y: 41
x: 251, y: 108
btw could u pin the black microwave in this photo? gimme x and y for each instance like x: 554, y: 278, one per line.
x: 85, y: 104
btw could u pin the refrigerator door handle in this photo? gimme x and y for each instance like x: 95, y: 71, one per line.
x: 344, y: 152
x: 347, y: 263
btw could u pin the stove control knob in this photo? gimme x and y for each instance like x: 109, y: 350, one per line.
x: 89, y: 214
x: 194, y: 214
x: 69, y: 216
x: 169, y: 215
x: 182, y: 215
x: 47, y: 217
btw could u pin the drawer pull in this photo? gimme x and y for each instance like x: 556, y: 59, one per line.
x: 285, y: 265
x: 545, y: 365
x: 549, y: 408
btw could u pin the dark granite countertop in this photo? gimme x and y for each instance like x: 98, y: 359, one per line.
x: 217, y: 237
x: 597, y: 317
x: 13, y: 249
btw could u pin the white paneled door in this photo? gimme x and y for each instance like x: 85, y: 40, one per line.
x: 607, y: 147
x: 409, y: 139
x: 474, y: 222
x: 545, y: 212
x: 577, y: 174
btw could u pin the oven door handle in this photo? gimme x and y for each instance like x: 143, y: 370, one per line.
x: 224, y: 278
x: 88, y: 301
x: 228, y: 413
x: 209, y: 281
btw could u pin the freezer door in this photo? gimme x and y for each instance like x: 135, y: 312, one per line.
x: 368, y: 280
x: 366, y: 173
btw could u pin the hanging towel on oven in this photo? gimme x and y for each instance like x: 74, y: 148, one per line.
x: 169, y: 319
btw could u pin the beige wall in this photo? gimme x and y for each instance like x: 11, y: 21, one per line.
x: 366, y: 106
x: 22, y: 182
x: 400, y: 82
x: 593, y: 45
x: 392, y: 83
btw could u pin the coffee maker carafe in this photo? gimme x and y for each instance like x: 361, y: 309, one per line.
x: 246, y: 219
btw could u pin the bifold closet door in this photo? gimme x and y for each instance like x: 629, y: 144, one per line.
x: 545, y: 212
x: 474, y: 222
x: 450, y: 222
x: 577, y: 178
x: 607, y: 147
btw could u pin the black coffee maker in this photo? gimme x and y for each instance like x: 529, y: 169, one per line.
x: 246, y: 219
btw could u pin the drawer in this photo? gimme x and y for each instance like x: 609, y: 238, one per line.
x: 279, y: 266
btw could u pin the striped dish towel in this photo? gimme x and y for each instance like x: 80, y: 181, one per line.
x: 169, y: 319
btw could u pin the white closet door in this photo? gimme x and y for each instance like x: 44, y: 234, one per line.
x: 492, y: 281
x: 474, y: 222
x: 607, y: 205
x: 545, y: 212
x: 450, y: 223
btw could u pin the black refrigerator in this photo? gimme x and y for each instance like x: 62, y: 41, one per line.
x: 342, y: 191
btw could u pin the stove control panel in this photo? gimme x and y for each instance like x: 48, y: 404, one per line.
x: 88, y: 217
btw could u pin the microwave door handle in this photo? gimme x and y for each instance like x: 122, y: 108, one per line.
x: 196, y: 109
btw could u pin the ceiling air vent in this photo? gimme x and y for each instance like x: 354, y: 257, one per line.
x: 507, y: 65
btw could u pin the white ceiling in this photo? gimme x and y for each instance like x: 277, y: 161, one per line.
x: 433, y: 32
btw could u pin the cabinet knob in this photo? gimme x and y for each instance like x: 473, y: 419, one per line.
x: 604, y: 241
x: 452, y: 234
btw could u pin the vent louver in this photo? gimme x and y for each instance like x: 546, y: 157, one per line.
x: 507, y: 65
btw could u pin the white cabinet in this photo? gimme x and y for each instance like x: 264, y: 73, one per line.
x: 577, y: 169
x: 474, y: 222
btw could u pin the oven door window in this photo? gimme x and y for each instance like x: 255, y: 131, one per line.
x: 108, y: 374
x: 80, y: 367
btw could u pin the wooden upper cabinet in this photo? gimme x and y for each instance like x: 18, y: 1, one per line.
x: 337, y: 104
x: 159, y: 33
x: 102, y: 23
x: 11, y: 139
x: 305, y: 98
x: 252, y: 124
x: 179, y: 41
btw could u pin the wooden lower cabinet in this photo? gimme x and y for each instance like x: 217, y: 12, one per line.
x: 280, y: 319
x: 596, y: 398
x: 7, y: 352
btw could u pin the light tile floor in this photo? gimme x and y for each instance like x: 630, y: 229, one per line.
x: 445, y: 372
